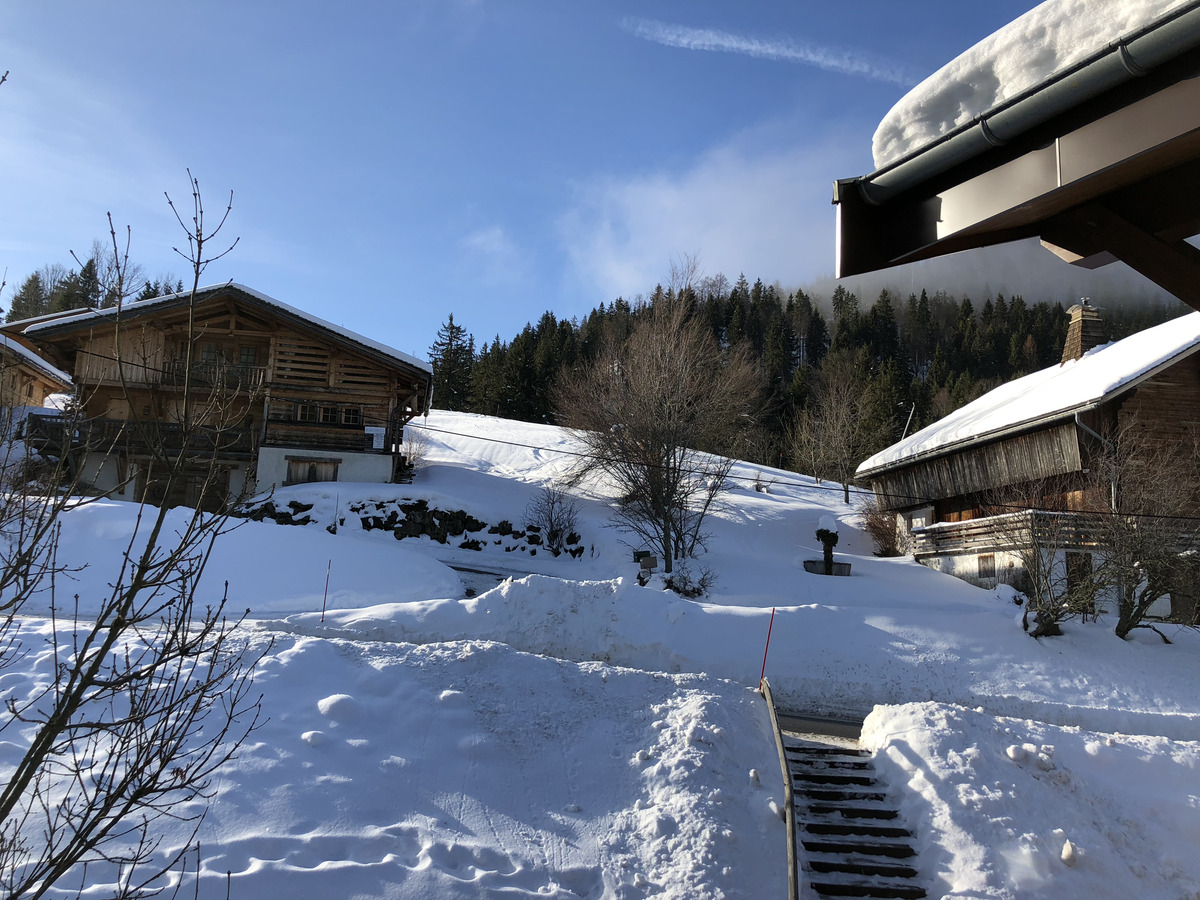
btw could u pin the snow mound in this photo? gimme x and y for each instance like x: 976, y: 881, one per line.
x: 1020, y: 808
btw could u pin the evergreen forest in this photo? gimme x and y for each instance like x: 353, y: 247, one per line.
x: 896, y: 363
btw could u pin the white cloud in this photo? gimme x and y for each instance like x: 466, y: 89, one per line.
x: 494, y: 257
x: 831, y: 59
x: 768, y: 215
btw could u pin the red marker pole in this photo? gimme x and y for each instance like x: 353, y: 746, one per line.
x: 763, y: 673
x: 324, y: 599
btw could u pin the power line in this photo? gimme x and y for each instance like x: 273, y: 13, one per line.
x: 860, y: 492
x: 1015, y: 507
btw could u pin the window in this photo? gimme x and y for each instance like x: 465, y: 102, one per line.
x: 209, y: 353
x: 329, y: 415
x: 248, y: 356
x: 306, y: 412
x: 352, y: 415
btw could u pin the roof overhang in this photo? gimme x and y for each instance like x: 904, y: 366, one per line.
x: 86, y: 320
x: 1102, y: 163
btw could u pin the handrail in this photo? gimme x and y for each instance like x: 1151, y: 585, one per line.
x: 789, y: 796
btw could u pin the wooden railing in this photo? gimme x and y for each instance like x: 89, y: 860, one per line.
x: 103, y: 435
x: 222, y: 375
x: 1010, y: 531
x: 789, y: 796
x: 314, y: 436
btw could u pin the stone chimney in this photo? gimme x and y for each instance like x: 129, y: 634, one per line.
x: 1084, y: 332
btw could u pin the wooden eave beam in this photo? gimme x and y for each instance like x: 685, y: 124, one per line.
x: 1175, y: 267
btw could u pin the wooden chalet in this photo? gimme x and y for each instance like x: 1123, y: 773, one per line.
x: 1100, y: 160
x: 25, y: 378
x: 963, y: 488
x: 269, y: 394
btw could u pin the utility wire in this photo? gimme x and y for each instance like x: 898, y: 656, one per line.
x: 857, y: 491
x: 1016, y: 507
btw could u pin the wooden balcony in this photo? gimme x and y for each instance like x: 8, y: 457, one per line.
x: 315, y: 436
x: 61, y: 433
x: 209, y: 375
x: 1011, y: 531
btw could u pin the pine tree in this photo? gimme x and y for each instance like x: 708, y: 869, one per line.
x: 816, y: 340
x: 452, y: 354
x: 487, y: 379
x: 32, y: 299
x: 79, y: 290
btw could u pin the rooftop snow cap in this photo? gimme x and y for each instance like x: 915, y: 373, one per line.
x: 1084, y: 331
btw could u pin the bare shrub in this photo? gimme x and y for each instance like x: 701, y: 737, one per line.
x: 881, y: 525
x: 686, y: 584
x: 416, y: 447
x: 555, y: 514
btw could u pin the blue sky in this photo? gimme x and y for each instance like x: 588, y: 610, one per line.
x: 392, y: 162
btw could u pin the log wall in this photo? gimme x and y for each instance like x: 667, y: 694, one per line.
x: 1029, y: 457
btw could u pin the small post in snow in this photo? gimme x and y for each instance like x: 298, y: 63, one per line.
x: 763, y: 673
x: 827, y: 534
x: 324, y: 599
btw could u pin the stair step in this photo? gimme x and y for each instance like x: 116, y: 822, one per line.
x: 871, y: 869
x: 833, y: 811
x: 832, y: 794
x: 826, y: 751
x: 852, y: 828
x: 826, y: 764
x: 891, y: 891
x: 833, y: 778
x: 863, y: 848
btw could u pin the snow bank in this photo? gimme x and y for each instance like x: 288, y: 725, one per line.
x: 470, y: 769
x: 270, y: 568
x: 1047, y: 40
x: 1017, y: 809
x: 858, y: 648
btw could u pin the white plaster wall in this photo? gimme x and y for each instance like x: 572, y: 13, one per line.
x: 103, y: 474
x: 366, y: 467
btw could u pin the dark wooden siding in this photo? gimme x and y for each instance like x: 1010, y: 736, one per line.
x: 1166, y: 408
x: 1041, y: 454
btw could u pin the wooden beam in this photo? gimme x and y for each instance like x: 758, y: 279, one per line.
x: 1175, y: 267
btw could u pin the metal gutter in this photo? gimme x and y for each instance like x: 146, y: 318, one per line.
x: 1118, y: 63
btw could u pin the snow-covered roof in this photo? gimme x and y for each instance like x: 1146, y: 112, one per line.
x: 28, y: 356
x: 1038, y: 47
x: 1053, y: 393
x: 139, y: 306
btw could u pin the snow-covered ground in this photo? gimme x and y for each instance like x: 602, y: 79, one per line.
x: 569, y: 733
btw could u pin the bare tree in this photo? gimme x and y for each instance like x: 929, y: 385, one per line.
x: 654, y: 412
x: 1150, y: 533
x: 154, y: 685
x: 832, y: 435
x: 1053, y: 548
x: 118, y: 277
